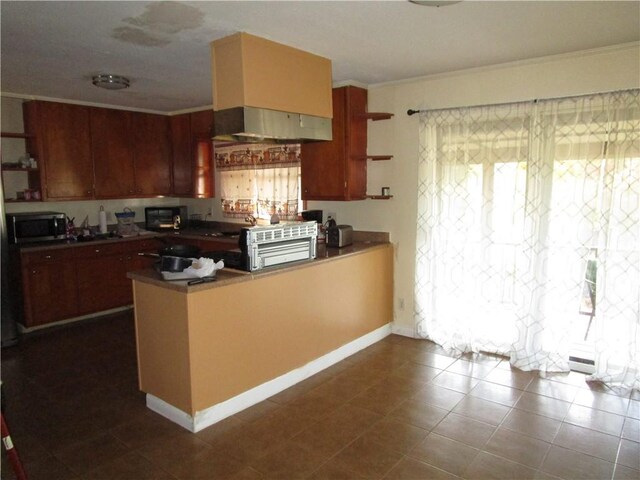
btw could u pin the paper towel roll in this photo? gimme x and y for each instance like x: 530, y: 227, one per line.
x: 102, y: 220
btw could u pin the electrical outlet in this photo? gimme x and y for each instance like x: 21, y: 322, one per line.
x: 331, y: 215
x: 401, y: 303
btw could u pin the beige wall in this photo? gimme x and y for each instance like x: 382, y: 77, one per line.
x: 581, y: 73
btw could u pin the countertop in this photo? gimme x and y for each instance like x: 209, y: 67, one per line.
x: 187, y: 234
x: 228, y: 276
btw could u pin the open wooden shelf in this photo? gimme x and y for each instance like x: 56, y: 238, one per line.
x: 15, y: 200
x: 15, y: 135
x: 375, y: 116
x: 18, y: 169
x: 374, y: 157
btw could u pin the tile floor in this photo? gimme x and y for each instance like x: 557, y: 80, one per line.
x: 400, y: 409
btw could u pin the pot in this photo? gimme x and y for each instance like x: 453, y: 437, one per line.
x: 191, y: 251
x: 169, y: 263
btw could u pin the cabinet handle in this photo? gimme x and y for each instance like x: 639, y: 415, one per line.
x: 34, y: 271
x: 48, y: 257
x: 97, y: 250
x: 88, y: 192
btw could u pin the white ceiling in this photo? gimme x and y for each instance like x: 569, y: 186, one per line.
x: 53, y: 48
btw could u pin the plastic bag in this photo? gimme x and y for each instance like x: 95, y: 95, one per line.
x: 126, y: 222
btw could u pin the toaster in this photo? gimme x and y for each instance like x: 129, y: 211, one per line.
x: 339, y: 236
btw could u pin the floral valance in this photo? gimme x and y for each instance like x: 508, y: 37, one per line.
x: 256, y: 156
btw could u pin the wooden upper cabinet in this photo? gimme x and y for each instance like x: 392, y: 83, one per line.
x: 202, y: 124
x: 62, y: 140
x: 182, y: 164
x: 337, y: 170
x: 112, y: 153
x: 192, y: 154
x: 152, y: 154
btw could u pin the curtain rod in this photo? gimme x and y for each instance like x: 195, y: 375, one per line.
x: 535, y: 100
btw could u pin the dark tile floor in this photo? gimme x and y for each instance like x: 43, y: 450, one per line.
x: 400, y: 409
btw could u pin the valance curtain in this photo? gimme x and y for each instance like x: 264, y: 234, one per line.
x: 514, y: 203
x: 259, y: 180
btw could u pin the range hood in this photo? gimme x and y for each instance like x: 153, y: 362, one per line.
x: 267, y: 92
x: 251, y: 124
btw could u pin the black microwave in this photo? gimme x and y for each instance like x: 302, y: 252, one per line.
x: 36, y: 227
x: 165, y: 218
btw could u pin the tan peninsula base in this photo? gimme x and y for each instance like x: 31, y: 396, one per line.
x: 209, y: 352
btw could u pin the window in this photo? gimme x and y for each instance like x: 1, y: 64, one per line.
x: 259, y: 180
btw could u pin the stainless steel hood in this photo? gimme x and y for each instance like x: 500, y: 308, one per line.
x: 261, y: 125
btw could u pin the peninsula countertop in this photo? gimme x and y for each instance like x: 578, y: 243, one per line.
x: 229, y: 276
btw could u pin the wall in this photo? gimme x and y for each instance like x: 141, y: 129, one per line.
x: 580, y: 73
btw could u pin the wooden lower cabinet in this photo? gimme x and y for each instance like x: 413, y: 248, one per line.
x: 59, y: 284
x: 99, y: 285
x: 50, y: 292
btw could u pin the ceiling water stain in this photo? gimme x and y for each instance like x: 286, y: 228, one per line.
x: 160, y: 20
x: 138, y: 36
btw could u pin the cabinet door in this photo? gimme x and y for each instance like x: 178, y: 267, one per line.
x: 64, y: 137
x: 193, y: 174
x: 202, y: 153
x: 337, y: 170
x: 356, y: 142
x: 202, y: 124
x: 323, y: 164
x: 152, y: 153
x: 112, y: 153
x: 182, y: 160
x: 50, y: 292
x: 100, y: 283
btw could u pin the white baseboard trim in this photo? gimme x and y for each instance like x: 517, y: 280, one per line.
x: 220, y: 411
x: 23, y: 329
x: 404, y: 331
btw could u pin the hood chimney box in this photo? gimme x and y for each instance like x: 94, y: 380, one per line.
x: 255, y: 78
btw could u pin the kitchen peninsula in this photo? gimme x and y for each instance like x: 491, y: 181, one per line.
x: 208, y: 351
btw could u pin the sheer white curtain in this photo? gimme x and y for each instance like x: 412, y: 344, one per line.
x: 513, y: 201
x: 260, y: 180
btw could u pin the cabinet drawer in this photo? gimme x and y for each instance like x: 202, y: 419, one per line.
x: 100, y: 250
x: 46, y: 256
x: 146, y: 245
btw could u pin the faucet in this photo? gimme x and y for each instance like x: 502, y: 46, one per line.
x: 251, y: 219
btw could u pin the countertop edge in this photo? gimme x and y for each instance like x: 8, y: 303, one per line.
x: 229, y: 276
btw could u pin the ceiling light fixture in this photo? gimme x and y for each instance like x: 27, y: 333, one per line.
x: 110, y: 82
x: 434, y: 3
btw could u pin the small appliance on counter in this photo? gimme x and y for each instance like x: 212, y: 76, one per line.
x: 310, y: 215
x: 339, y: 236
x: 267, y: 246
x: 36, y: 227
x: 166, y: 218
